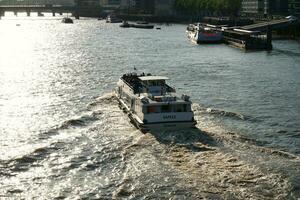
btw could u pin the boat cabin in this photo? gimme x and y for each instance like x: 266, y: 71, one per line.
x: 154, y: 85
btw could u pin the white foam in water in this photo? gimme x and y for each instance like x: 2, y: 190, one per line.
x: 109, y: 155
x: 59, y: 140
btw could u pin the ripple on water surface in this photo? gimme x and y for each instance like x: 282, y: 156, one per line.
x: 55, y: 146
x: 108, y: 158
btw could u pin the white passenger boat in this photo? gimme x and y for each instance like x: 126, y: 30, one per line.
x: 199, y: 33
x: 152, y: 104
x: 67, y: 20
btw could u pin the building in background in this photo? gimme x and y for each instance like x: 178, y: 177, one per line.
x: 153, y: 7
x: 278, y: 7
x: 164, y: 7
x: 138, y: 6
x: 87, y: 8
x: 294, y: 7
x: 88, y: 3
x: 115, y: 3
x: 60, y: 2
x: 255, y: 8
x: 103, y: 2
x: 109, y: 6
x: 264, y: 8
x: 129, y: 4
x: 145, y: 6
x: 37, y: 2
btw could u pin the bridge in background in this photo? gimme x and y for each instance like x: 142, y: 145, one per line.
x: 77, y: 9
x: 37, y: 8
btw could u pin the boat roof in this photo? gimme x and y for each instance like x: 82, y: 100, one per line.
x: 153, y: 78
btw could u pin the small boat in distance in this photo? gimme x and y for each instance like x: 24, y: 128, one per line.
x: 152, y: 104
x: 112, y: 19
x: 67, y: 20
x: 145, y: 26
x: 125, y: 24
x: 200, y: 33
x: 142, y: 22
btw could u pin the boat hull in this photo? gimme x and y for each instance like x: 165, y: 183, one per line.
x: 167, y: 126
x: 203, y: 38
x: 144, y: 26
x: 67, y: 21
x: 113, y: 20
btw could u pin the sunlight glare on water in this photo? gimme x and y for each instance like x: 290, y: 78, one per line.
x: 64, y: 136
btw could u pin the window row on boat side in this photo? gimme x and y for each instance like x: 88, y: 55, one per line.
x: 125, y: 97
x: 166, y: 108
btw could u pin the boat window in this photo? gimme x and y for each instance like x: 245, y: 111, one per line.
x: 179, y: 108
x: 159, y: 83
x: 151, y: 109
x: 155, y: 83
x: 165, y: 108
x: 184, y: 107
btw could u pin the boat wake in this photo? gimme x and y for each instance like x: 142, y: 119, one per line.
x: 222, y: 113
x: 226, y: 114
x: 105, y: 156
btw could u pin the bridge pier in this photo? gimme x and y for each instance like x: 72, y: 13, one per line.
x: 28, y: 13
x: 16, y: 13
x: 53, y: 14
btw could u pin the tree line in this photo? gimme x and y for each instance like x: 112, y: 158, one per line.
x: 221, y: 7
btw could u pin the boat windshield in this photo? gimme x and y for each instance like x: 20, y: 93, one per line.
x: 155, y: 83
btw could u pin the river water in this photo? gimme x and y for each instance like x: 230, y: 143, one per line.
x: 62, y: 134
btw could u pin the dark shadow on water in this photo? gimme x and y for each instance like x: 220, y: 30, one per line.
x: 192, y: 139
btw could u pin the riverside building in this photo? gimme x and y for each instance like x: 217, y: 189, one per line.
x: 266, y: 8
x: 87, y: 3
x: 164, y: 7
x: 110, y: 3
x: 154, y: 7
x: 278, y: 7
x: 294, y: 7
x: 87, y: 8
x: 138, y: 6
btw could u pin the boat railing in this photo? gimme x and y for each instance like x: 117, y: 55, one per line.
x: 163, y: 98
